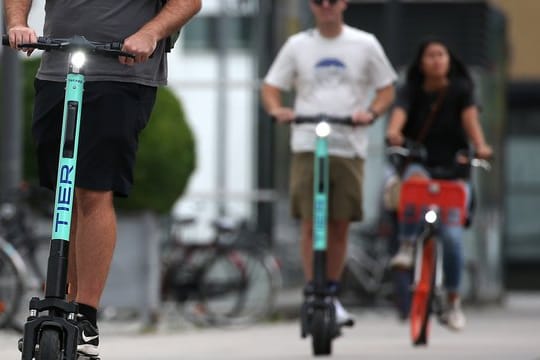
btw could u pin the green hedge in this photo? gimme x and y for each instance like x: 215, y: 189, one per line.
x: 166, y: 157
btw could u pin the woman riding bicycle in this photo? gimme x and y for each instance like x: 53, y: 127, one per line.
x: 436, y: 107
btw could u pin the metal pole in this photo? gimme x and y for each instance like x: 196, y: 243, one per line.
x: 392, y: 16
x: 11, y: 122
x: 265, y: 45
x: 222, y: 108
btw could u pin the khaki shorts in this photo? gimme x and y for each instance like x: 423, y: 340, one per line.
x: 345, y: 190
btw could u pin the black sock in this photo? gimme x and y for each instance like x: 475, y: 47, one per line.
x: 333, y: 286
x: 89, y: 313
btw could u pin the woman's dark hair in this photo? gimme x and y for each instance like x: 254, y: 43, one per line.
x: 458, y: 70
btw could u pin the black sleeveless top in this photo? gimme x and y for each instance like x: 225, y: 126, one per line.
x: 446, y: 135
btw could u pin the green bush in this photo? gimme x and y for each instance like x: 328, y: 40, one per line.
x: 166, y: 156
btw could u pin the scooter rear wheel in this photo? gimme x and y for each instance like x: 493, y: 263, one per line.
x: 49, y: 345
x: 321, y: 332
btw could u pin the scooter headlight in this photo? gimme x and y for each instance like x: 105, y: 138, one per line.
x: 78, y: 59
x: 322, y: 129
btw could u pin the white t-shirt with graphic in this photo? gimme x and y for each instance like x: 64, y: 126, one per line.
x: 331, y: 76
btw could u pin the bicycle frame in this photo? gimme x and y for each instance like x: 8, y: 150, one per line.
x: 446, y: 198
x: 436, y: 202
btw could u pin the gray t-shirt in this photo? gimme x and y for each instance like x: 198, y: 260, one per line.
x: 102, y: 20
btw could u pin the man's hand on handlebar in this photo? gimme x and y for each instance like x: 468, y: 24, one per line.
x: 363, y: 118
x: 142, y: 44
x: 22, y: 35
x: 283, y: 115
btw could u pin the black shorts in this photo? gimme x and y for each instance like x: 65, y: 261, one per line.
x: 113, y: 115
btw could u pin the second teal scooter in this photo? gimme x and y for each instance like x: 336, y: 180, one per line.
x: 318, y: 313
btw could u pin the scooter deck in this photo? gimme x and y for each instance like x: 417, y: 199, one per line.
x: 84, y: 357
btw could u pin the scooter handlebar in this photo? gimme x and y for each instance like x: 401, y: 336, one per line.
x: 112, y: 49
x: 347, y: 120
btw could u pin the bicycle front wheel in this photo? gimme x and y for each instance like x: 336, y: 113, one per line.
x: 423, y: 295
x: 11, y: 285
x: 263, y: 281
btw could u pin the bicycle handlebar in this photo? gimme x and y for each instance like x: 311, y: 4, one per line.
x: 329, y: 119
x: 77, y: 42
x: 417, y: 152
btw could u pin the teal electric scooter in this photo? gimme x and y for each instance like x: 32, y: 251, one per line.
x: 318, y: 313
x: 51, y: 331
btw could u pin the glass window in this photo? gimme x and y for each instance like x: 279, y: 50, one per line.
x: 202, y: 33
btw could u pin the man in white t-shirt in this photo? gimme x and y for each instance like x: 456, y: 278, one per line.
x: 334, y: 70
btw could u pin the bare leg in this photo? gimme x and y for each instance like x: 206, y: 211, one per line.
x: 96, y: 239
x: 306, y: 243
x: 72, y: 258
x: 337, y: 248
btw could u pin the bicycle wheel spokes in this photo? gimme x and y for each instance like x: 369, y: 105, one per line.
x: 422, y: 295
x: 260, y: 273
x: 221, y: 285
x: 237, y: 288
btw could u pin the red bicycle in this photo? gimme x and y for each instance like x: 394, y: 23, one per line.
x: 430, y: 203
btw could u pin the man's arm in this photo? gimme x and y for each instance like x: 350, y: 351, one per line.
x: 271, y: 99
x: 174, y: 15
x: 16, y: 16
x: 383, y: 99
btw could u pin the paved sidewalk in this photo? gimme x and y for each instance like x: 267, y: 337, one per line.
x: 509, y: 332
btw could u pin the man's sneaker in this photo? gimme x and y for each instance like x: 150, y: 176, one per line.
x: 88, y: 340
x: 404, y: 257
x: 454, y: 317
x: 343, y: 318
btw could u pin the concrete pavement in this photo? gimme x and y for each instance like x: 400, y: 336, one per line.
x: 509, y: 332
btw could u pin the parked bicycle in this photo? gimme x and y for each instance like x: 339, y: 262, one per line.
x: 367, y: 276
x: 430, y: 203
x: 233, y: 279
x: 22, y: 268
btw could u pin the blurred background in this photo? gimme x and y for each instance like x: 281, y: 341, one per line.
x: 230, y: 161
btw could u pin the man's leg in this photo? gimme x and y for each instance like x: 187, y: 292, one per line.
x: 337, y: 248
x: 72, y: 258
x: 306, y: 243
x: 338, y: 231
x: 95, y: 242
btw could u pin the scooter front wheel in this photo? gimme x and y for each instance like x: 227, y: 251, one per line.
x: 49, y: 345
x: 322, y: 329
x: 423, y: 295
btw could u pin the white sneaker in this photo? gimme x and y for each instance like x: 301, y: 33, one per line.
x: 343, y: 318
x: 404, y: 257
x: 454, y: 317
